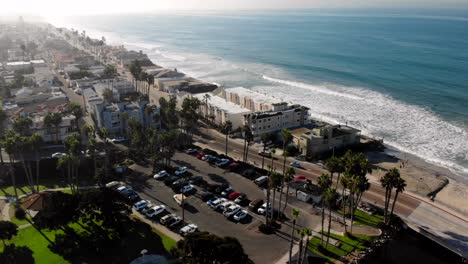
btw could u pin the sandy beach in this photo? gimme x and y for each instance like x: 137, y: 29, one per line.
x: 424, y: 179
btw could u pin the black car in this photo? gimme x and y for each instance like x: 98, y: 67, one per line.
x: 177, y: 185
x: 195, y: 180
x: 220, y: 188
x: 171, y: 179
x: 131, y: 195
x: 205, y: 196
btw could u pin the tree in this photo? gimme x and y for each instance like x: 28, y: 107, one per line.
x: 110, y: 71
x: 206, y: 97
x: 308, y: 233
x: 264, y: 137
x: 10, y: 144
x: 386, y: 183
x: 286, y: 136
x: 330, y: 199
x: 345, y: 181
x: 275, y: 179
x: 108, y: 95
x: 59, y: 210
x: 203, y: 247
x: 332, y: 165
x: 3, y: 117
x: 13, y: 254
x: 135, y: 70
x: 226, y: 130
x: 124, y: 117
x: 399, y: 184
x: 22, y: 125
x: 294, y: 214
x: 53, y: 120
x: 288, y: 177
x: 75, y: 109
x: 36, y: 144
x: 7, y: 230
x: 169, y: 117
x: 189, y: 115
x: 324, y: 183
x: 248, y: 138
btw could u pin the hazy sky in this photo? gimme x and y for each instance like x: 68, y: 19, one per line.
x: 61, y: 7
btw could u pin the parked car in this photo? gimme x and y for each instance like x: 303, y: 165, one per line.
x: 263, y: 208
x: 240, y: 215
x: 214, y: 204
x: 156, y: 210
x: 222, y: 162
x: 179, y: 184
x: 227, y: 191
x: 167, y: 219
x: 171, y: 179
x: 206, y: 196
x: 118, y: 140
x: 266, y: 154
x: 181, y: 171
x: 146, y: 208
x: 114, y: 185
x: 195, y: 179
x: 58, y: 155
x: 233, y: 196
x: 140, y: 204
x: 200, y: 156
x: 130, y: 195
x: 176, y: 221
x: 161, y: 175
x: 255, y: 204
x: 209, y: 158
x: 122, y: 189
x: 190, y: 151
x: 187, y: 189
x: 295, y: 164
x: 188, y: 229
x: 220, y: 187
x: 233, y: 166
x: 300, y: 178
x: 231, y: 210
x: 241, y: 199
x: 223, y: 206
x: 261, y: 180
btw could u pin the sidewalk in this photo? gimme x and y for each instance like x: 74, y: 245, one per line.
x: 157, y: 226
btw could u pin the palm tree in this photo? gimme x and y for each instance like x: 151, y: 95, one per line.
x: 206, y: 97
x: 332, y: 166
x: 276, y: 179
x: 264, y: 138
x: 149, y: 110
x: 308, y: 233
x: 22, y: 125
x: 53, y: 120
x: 24, y: 146
x: 3, y: 117
x: 330, y: 199
x: 288, y: 177
x: 386, y: 182
x: 150, y: 81
x: 75, y: 109
x: 345, y: 181
x: 227, y: 129
x: 248, y: 139
x: 324, y: 183
x: 295, y: 214
x: 10, y: 143
x: 286, y: 136
x: 399, y: 184
x: 36, y: 143
x: 124, y: 117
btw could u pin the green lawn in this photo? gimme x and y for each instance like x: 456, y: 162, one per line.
x: 31, y: 238
x: 15, y: 220
x: 346, y: 245
x: 9, y: 191
x: 363, y: 218
x: 168, y: 242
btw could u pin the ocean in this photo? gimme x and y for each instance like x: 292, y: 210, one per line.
x: 400, y: 75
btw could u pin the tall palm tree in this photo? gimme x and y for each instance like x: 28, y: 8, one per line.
x: 330, y: 199
x: 308, y: 233
x: 286, y: 136
x: 75, y: 110
x: 150, y: 81
x: 3, y: 117
x: 345, y: 182
x: 332, y: 165
x: 386, y: 182
x: 36, y: 144
x: 53, y: 120
x: 206, y: 97
x: 324, y: 183
x: 248, y: 138
x: 227, y: 127
x: 24, y: 146
x: 22, y: 125
x: 294, y: 214
x: 399, y: 184
x: 10, y: 143
x: 288, y: 177
x: 264, y: 138
x: 149, y: 110
x: 276, y: 179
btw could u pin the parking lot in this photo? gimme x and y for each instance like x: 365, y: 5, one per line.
x: 260, y: 247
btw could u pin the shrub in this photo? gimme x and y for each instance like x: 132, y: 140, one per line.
x: 292, y: 150
x: 20, y: 213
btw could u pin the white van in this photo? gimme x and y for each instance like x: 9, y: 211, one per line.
x: 261, y: 180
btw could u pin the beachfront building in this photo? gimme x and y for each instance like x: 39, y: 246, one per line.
x: 246, y: 98
x: 281, y: 116
x: 219, y: 111
x: 315, y: 141
x: 49, y: 134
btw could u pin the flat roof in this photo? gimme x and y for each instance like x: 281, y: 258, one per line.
x: 222, y: 104
x: 256, y: 96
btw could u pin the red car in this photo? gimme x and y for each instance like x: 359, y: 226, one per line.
x: 200, y: 155
x: 233, y: 166
x: 300, y: 178
x: 234, y: 195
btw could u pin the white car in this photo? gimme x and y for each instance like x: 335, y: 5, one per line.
x: 140, y: 204
x: 155, y: 210
x: 146, y: 208
x: 263, y: 208
x: 58, y: 155
x: 117, y: 140
x: 187, y: 188
x: 223, y: 206
x: 241, y: 214
x: 180, y: 171
x: 217, y: 202
x: 112, y: 184
x: 231, y: 210
x: 121, y: 188
x: 161, y: 174
x: 190, y: 228
x: 222, y: 162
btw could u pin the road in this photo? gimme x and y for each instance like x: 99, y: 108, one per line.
x: 440, y: 224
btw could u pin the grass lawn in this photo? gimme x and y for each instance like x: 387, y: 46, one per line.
x: 9, y: 191
x: 15, y: 220
x: 363, y: 218
x: 31, y: 238
x: 345, y: 246
x: 168, y: 242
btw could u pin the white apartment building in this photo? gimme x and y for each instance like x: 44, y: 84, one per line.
x: 218, y: 110
x: 246, y: 98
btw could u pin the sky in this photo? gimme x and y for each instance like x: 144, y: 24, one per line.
x: 91, y: 7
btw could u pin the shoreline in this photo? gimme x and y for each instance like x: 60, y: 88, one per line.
x: 422, y: 176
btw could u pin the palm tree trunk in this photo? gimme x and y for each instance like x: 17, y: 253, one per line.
x: 273, y: 203
x: 352, y: 211
x: 344, y: 208
x: 393, y: 205
x: 300, y: 248
x: 286, y: 197
x: 292, y: 239
x: 337, y: 181
x: 38, y: 161
x: 263, y: 156
x: 329, y: 223
x: 305, y: 249
x: 267, y: 200
x: 323, y: 222
x: 1, y: 156
x: 12, y: 175
x: 385, y: 205
x: 226, y: 152
x: 26, y: 172
x: 247, y: 152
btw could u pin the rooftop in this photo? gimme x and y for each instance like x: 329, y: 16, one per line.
x: 256, y: 96
x: 222, y: 104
